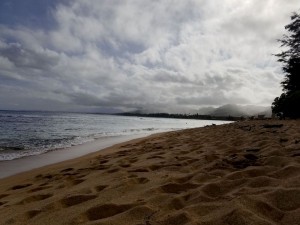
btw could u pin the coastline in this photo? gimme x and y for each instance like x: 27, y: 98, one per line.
x: 239, y: 173
x: 20, y: 165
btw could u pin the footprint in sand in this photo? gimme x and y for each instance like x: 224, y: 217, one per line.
x: 21, y: 186
x: 241, y: 161
x: 76, y: 181
x: 156, y: 157
x: 167, y: 167
x: 76, y: 199
x: 139, y: 170
x: 32, y: 213
x: 123, y: 153
x: 137, y: 180
x: 184, y: 179
x: 177, y: 188
x: 103, y: 161
x: 39, y: 189
x: 99, y: 188
x: 177, y: 218
x: 105, y: 211
x: 285, y: 199
x: 133, y: 160
x: 100, y: 167
x: 3, y: 203
x: 175, y: 203
x: 67, y: 170
x: 157, y: 166
x: 35, y: 198
x: 142, y: 180
x: 113, y: 170
x: 126, y: 165
x: 261, y: 207
x: 3, y: 195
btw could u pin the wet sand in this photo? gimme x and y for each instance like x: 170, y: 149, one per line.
x: 12, y: 167
x: 239, y: 173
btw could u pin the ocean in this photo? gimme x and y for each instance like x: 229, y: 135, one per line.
x: 23, y: 133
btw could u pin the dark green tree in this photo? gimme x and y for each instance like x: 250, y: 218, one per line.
x: 288, y: 104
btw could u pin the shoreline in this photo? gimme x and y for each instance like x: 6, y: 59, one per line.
x: 13, y: 167
x: 27, y: 163
x: 238, y: 173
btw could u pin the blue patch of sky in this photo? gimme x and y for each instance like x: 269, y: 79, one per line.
x: 29, y: 13
x: 122, y: 50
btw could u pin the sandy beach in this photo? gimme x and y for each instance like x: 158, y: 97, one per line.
x: 234, y: 174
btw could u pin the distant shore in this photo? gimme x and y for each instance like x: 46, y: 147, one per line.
x: 184, y: 116
x: 239, y: 173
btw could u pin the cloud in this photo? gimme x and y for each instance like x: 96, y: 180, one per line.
x: 151, y: 55
x: 28, y: 58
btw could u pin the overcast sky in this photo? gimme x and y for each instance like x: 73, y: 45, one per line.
x: 155, y: 55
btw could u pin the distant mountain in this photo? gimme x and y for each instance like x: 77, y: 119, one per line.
x: 229, y: 110
x: 206, y: 111
x: 236, y: 110
x: 222, y: 111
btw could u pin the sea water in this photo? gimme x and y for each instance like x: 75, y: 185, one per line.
x: 25, y: 133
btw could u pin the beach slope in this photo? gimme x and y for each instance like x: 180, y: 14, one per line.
x: 237, y: 174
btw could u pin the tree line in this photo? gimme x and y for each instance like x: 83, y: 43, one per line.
x: 288, y: 103
x: 182, y: 116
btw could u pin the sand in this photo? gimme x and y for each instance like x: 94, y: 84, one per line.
x: 240, y: 173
